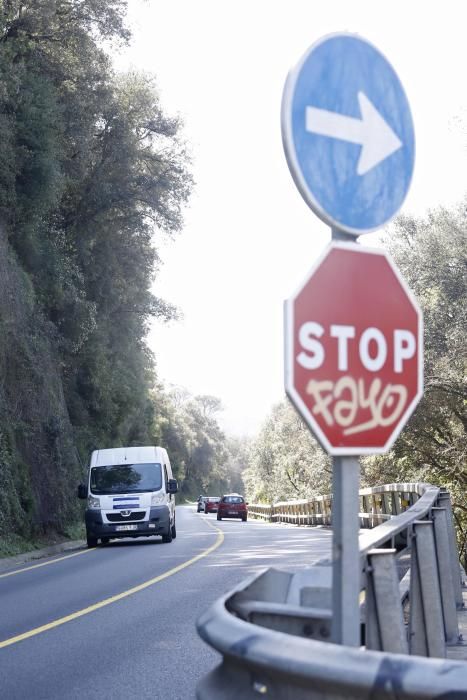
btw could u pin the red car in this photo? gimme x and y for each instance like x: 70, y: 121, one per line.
x: 211, y: 503
x: 232, y: 506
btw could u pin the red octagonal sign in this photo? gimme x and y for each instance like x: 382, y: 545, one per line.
x: 354, y: 350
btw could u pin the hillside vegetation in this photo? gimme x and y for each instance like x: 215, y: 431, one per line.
x: 92, y: 173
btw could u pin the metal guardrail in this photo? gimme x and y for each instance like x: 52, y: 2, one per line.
x: 274, y: 629
x: 377, y: 504
x: 315, y: 511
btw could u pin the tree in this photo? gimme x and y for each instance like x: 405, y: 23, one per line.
x: 210, y: 405
x: 197, y: 446
x: 285, y: 461
x: 432, y: 255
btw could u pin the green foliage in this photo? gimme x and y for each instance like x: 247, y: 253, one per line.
x: 14, y: 503
x: 285, y: 462
x: 91, y: 173
x: 37, y: 461
x: 199, y: 451
x: 432, y: 256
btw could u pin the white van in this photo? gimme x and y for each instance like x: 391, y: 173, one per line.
x: 130, y: 493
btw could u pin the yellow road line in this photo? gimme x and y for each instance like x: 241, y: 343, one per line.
x: 46, y: 563
x: 115, y: 598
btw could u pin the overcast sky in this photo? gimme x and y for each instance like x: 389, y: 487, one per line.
x: 249, y: 238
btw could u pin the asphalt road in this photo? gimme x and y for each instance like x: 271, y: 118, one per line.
x: 119, y: 621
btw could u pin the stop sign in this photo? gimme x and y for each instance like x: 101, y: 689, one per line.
x: 354, y: 350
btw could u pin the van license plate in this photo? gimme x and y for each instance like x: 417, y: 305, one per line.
x: 120, y: 528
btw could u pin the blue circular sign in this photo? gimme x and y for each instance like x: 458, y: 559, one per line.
x: 348, y: 134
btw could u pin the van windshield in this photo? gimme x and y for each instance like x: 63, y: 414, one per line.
x: 126, y: 478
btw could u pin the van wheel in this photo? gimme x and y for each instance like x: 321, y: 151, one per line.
x: 168, y: 537
x: 90, y: 540
x: 174, y: 531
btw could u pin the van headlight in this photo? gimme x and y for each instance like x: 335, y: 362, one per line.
x: 157, y: 498
x: 94, y: 503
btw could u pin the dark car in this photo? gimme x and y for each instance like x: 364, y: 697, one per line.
x: 211, y: 503
x: 200, y: 506
x: 232, y: 505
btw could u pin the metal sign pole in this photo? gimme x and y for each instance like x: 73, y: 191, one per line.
x: 345, y: 527
x: 345, y: 553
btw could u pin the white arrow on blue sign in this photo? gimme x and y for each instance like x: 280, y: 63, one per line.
x: 348, y: 134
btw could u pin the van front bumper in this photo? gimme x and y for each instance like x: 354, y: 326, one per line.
x: 157, y: 524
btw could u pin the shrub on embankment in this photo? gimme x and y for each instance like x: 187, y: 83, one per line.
x: 38, y: 464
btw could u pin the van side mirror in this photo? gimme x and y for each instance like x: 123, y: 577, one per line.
x: 172, y: 486
x: 82, y: 491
